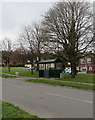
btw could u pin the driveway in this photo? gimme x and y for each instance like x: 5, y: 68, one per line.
x: 48, y: 101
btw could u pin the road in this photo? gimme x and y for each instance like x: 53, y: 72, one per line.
x: 48, y: 101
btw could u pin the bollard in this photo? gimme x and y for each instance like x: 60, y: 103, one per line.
x: 17, y: 74
x: 61, y: 75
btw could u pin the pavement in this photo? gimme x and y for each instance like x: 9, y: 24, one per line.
x: 48, y: 101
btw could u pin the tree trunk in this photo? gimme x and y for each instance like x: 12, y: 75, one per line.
x: 8, y: 67
x: 37, y: 67
x: 31, y: 69
x: 73, y: 69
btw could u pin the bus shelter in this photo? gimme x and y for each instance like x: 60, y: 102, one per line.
x: 50, y: 68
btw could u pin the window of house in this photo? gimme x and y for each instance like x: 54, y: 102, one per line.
x: 88, y: 60
x: 90, y: 68
x: 83, y: 69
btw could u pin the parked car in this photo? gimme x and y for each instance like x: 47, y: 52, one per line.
x: 28, y: 68
x: 67, y: 71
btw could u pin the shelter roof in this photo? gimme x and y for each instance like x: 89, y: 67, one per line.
x: 56, y: 60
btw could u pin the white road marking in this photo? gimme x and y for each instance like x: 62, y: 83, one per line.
x: 70, y: 97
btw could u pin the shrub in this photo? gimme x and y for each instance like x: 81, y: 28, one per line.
x: 17, y: 65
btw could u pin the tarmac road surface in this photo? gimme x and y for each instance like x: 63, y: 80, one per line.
x: 48, y: 101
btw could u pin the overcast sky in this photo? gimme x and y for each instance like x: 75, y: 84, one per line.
x: 17, y: 14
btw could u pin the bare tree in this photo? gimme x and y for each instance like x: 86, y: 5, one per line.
x: 70, y: 27
x: 37, y: 35
x: 26, y: 44
x: 19, y: 56
x: 6, y: 48
x: 32, y: 39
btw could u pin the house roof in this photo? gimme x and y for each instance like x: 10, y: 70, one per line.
x: 50, y: 61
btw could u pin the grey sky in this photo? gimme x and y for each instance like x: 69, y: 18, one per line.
x: 17, y: 14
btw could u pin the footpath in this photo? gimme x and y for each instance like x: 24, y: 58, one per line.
x: 52, y: 79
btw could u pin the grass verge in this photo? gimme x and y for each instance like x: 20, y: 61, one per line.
x: 84, y: 78
x: 22, y: 72
x: 7, y: 76
x: 0, y: 110
x: 11, y: 111
x: 75, y: 85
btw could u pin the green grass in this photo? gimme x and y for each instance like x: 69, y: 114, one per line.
x: 23, y: 72
x: 0, y: 69
x: 0, y: 110
x: 51, y: 82
x: 86, y: 78
x: 11, y: 111
x: 7, y: 76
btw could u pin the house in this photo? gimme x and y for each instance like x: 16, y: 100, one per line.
x: 12, y: 63
x: 30, y: 65
x: 87, y: 64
